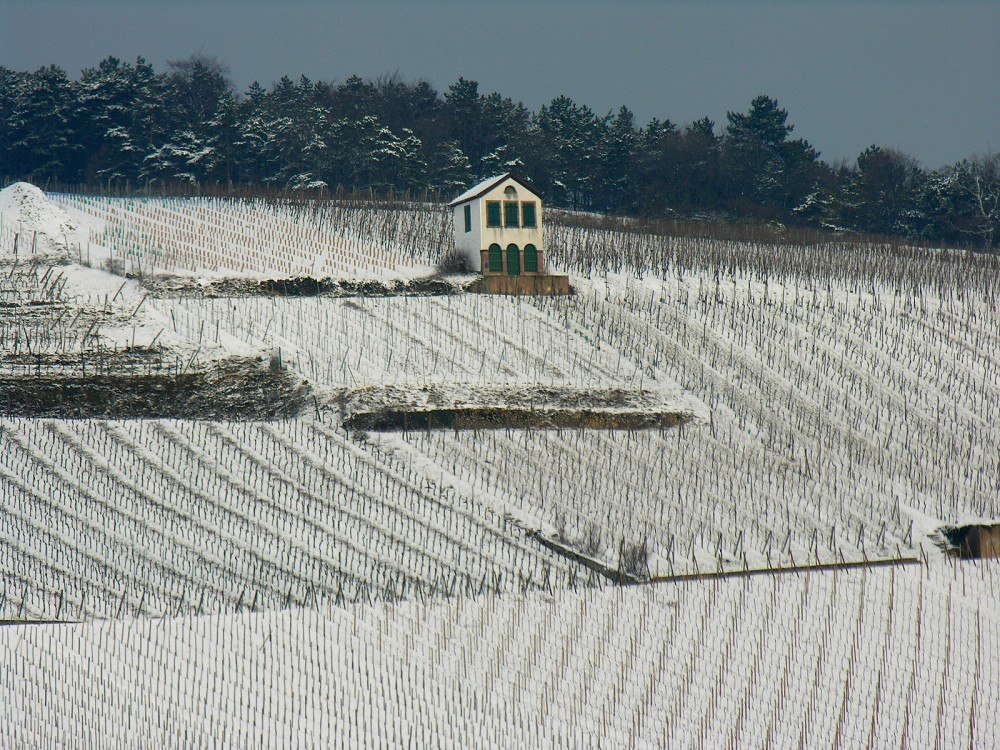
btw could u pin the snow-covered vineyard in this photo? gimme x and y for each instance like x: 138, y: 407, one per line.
x: 879, y: 658
x: 257, y: 237
x: 293, y: 581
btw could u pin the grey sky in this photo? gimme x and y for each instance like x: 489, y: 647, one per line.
x: 923, y: 77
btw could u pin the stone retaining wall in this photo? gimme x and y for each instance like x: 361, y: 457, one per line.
x: 540, y: 285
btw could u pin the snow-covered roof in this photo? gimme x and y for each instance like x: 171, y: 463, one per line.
x: 476, y: 190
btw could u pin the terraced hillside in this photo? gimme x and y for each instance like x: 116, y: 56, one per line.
x: 460, y: 586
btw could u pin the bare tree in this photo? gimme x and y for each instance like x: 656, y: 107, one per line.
x: 979, y: 179
x: 200, y: 81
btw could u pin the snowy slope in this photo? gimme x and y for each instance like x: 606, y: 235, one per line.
x: 158, y: 517
x: 834, y: 411
x: 888, y: 658
x: 258, y: 238
x: 33, y: 226
x: 293, y: 583
x: 831, y: 408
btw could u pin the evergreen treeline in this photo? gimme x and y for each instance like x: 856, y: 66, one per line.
x: 123, y: 123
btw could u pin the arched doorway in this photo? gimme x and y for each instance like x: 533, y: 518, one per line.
x: 496, y: 259
x: 530, y: 259
x: 513, y: 260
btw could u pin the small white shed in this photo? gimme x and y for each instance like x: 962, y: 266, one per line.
x: 498, y: 227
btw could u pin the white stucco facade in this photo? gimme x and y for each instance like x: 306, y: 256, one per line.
x: 477, y: 236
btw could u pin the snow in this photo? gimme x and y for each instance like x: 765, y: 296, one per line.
x: 881, y: 658
x: 41, y: 227
x: 479, y: 188
x: 257, y: 239
x: 821, y: 409
x: 218, y: 517
x: 80, y: 309
x: 840, y: 419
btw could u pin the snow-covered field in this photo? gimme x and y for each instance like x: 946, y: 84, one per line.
x: 834, y: 412
x: 322, y: 587
x: 882, y: 658
x: 161, y: 517
x: 255, y: 238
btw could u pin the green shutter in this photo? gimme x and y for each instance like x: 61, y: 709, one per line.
x: 513, y: 260
x: 493, y: 214
x: 528, y: 215
x: 496, y: 258
x: 510, y: 217
x: 468, y: 218
x: 530, y: 259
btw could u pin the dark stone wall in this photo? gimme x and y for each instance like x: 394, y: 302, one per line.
x: 541, y: 285
x: 479, y: 418
x: 234, y: 389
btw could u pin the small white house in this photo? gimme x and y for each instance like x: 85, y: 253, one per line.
x: 498, y: 227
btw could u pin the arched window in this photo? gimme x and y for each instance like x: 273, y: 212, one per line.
x: 530, y: 259
x: 496, y: 258
x: 509, y: 193
x: 513, y: 260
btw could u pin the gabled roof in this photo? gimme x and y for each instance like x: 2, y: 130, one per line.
x: 491, y: 182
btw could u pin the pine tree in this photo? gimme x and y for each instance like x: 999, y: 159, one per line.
x: 225, y: 132
x: 962, y: 202
x: 654, y: 166
x: 199, y: 134
x: 43, y: 128
x: 413, y: 168
x: 768, y: 173
x: 882, y: 194
x: 252, y: 136
x: 701, y: 167
x: 186, y: 157
x: 512, y: 142
x: 617, y: 166
x: 197, y: 85
x: 12, y: 85
x: 450, y: 169
x: 353, y: 100
x: 127, y: 123
x: 572, y: 136
x: 463, y: 111
x: 763, y: 125
x: 122, y: 116
x: 499, y: 161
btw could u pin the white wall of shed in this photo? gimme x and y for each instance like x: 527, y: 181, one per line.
x: 469, y: 243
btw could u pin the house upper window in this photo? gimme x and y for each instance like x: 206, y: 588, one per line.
x: 510, y: 214
x: 468, y: 218
x: 528, y: 214
x: 493, y: 214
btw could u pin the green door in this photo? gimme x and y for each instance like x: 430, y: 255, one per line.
x: 513, y: 260
x: 496, y: 259
x: 530, y: 259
